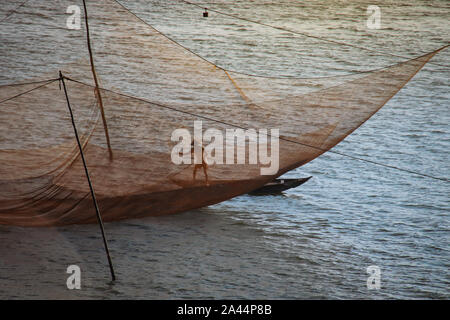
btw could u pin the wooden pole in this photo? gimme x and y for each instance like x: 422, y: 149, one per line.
x: 94, y: 199
x: 97, y: 88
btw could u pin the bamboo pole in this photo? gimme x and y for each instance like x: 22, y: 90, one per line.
x: 97, y: 87
x: 94, y: 199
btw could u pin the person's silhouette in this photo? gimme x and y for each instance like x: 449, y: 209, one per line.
x: 203, y: 163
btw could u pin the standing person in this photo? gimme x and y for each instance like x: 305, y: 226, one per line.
x: 203, y: 163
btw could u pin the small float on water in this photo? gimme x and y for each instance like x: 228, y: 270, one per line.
x: 278, y: 186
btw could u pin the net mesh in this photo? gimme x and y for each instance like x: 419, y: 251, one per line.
x: 151, y: 86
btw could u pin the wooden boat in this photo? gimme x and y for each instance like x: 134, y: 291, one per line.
x: 279, y: 185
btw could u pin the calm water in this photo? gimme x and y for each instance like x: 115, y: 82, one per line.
x: 312, y: 242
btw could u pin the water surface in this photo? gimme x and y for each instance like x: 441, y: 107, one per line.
x: 315, y: 241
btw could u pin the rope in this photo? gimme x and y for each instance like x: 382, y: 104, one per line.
x: 244, y: 73
x: 13, y: 10
x: 241, y: 93
x: 25, y: 83
x: 307, y: 34
x: 28, y: 91
x: 269, y: 135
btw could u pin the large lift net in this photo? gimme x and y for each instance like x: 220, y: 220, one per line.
x: 150, y: 87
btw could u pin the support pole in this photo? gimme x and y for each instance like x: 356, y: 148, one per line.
x: 94, y: 199
x: 97, y: 88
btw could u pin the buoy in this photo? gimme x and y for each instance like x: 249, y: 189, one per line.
x: 205, y: 14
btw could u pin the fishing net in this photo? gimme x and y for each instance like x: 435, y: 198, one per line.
x: 151, y: 86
